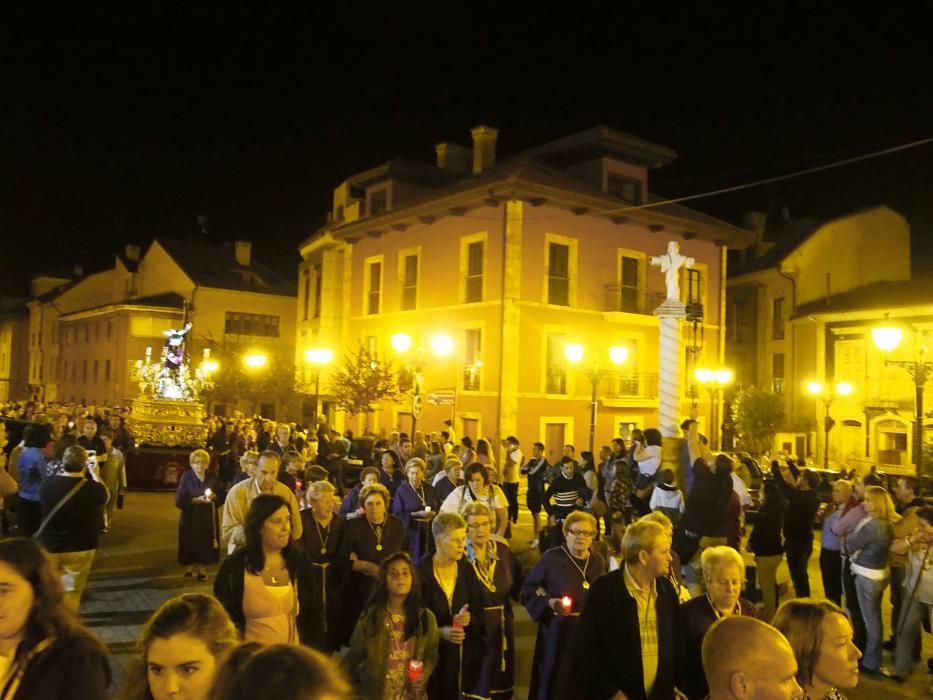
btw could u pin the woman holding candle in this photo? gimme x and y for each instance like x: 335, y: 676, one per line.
x: 554, y: 592
x: 416, y: 504
x: 393, y: 651
x: 450, y: 589
x: 500, y: 574
x: 198, y: 533
x: 366, y: 543
x: 322, y: 537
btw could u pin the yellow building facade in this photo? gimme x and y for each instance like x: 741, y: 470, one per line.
x: 86, y: 334
x: 802, y: 311
x: 512, y: 262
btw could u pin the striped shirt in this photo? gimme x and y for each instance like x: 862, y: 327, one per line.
x: 646, y: 604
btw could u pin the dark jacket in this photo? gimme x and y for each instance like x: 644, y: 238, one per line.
x: 69, y: 668
x: 608, y: 641
x: 707, y: 512
x: 228, y: 589
x: 801, y: 507
x: 765, y: 540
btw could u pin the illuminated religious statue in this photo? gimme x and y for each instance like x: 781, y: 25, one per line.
x: 171, y: 377
x: 671, y: 263
x: 173, y: 352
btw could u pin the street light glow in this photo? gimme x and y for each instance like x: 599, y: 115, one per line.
x: 574, y: 352
x: 843, y: 388
x: 618, y: 354
x: 887, y: 338
x: 815, y: 388
x: 722, y: 376
x: 209, y: 366
x: 401, y: 342
x: 704, y: 376
x: 319, y: 356
x: 442, y: 344
x: 255, y: 361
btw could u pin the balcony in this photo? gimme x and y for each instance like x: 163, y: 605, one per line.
x: 617, y: 386
x: 619, y: 299
x: 471, y: 377
x: 556, y: 380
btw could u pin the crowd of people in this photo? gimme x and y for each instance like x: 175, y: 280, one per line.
x: 403, y: 586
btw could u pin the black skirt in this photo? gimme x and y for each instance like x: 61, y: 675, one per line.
x: 198, y: 535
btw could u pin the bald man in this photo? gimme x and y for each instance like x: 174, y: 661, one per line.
x: 746, y: 659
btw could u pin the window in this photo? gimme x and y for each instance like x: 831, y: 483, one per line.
x: 625, y: 188
x: 558, y: 274
x: 373, y: 300
x: 109, y: 327
x: 95, y: 371
x: 261, y: 325
x: 777, y: 319
x: 84, y: 368
x: 777, y: 373
x: 107, y: 371
x: 307, y: 303
x: 74, y: 371
x: 472, y: 364
x: 629, y: 285
x: 409, y: 282
x: 97, y: 331
x: 474, y: 272
x: 371, y: 344
x: 556, y: 378
x: 87, y: 330
x: 318, y: 277
x: 694, y: 286
x: 378, y: 202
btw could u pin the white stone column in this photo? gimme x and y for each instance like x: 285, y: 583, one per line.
x: 670, y: 385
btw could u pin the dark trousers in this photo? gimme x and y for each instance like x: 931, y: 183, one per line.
x: 831, y: 571
x: 897, y: 595
x: 30, y: 517
x: 798, y: 554
x: 511, y: 495
x: 855, y: 612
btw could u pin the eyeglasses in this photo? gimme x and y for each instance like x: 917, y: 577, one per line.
x: 586, y: 534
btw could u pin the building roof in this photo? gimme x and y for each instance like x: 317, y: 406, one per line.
x: 879, y: 297
x: 216, y: 266
x: 602, y: 140
x: 790, y: 235
x: 169, y: 301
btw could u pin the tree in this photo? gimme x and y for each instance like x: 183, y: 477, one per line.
x: 273, y: 383
x: 361, y: 382
x: 757, y: 415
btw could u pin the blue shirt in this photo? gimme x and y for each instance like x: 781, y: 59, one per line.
x: 31, y: 468
x: 829, y: 540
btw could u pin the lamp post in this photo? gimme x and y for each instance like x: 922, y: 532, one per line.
x: 886, y: 338
x: 827, y: 395
x: 715, y: 380
x: 574, y: 353
x: 317, y: 358
x: 441, y: 345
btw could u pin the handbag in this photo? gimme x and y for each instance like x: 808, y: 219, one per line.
x: 58, y: 506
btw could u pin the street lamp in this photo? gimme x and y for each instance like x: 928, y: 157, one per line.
x: 715, y: 380
x: 317, y: 358
x: 574, y: 352
x: 827, y: 395
x: 887, y: 337
x: 255, y: 361
x: 441, y: 345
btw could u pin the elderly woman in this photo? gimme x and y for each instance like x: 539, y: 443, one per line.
x: 446, y: 480
x: 820, y: 634
x: 500, y: 574
x: 723, y: 575
x: 198, y: 532
x: 248, y: 462
x: 562, y: 575
x: 477, y: 487
x: 367, y: 541
x: 268, y: 586
x: 390, y: 472
x: 868, y: 546
x: 322, y: 537
x: 350, y: 508
x: 416, y: 504
x: 450, y: 590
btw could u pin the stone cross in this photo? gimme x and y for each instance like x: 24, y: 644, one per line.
x: 670, y: 264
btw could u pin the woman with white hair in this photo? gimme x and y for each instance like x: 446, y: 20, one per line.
x: 723, y: 574
x: 322, y: 537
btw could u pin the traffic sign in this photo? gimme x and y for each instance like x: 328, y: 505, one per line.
x: 442, y: 397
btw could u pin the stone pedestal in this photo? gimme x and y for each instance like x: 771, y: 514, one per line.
x: 670, y: 386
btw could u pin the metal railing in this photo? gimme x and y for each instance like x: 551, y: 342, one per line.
x: 630, y: 299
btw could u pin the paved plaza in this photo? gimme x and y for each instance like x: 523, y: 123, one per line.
x: 135, y: 571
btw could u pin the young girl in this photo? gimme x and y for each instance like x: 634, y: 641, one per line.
x: 394, y: 646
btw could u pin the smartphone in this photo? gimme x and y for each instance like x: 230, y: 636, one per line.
x: 92, y: 459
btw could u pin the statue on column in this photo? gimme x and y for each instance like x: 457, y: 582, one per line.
x: 671, y: 263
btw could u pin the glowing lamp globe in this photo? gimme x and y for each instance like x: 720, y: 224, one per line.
x: 843, y: 388
x: 574, y: 352
x: 815, y: 388
x: 886, y: 338
x: 618, y: 354
x: 442, y: 345
x: 401, y: 342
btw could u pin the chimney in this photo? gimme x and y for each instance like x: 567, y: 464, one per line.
x: 484, y: 148
x: 242, y: 251
x: 454, y: 157
x: 132, y: 253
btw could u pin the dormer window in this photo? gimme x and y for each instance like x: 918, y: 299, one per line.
x: 627, y: 189
x: 378, y: 202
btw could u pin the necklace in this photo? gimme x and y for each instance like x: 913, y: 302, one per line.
x: 486, y: 572
x: 274, y: 577
x: 323, y: 537
x: 420, y: 495
x: 586, y: 563
x: 737, y: 610
x: 378, y: 531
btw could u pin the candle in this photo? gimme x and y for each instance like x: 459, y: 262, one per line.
x: 567, y: 603
x: 427, y: 509
x: 208, y: 493
x: 415, y: 670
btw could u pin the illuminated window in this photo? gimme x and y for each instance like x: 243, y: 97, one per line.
x: 474, y: 271
x: 472, y: 364
x: 556, y: 370
x: 777, y: 373
x: 409, y: 282
x: 372, y: 292
x: 558, y: 274
x: 261, y: 325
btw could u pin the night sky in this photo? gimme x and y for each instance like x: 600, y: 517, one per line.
x: 119, y: 129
